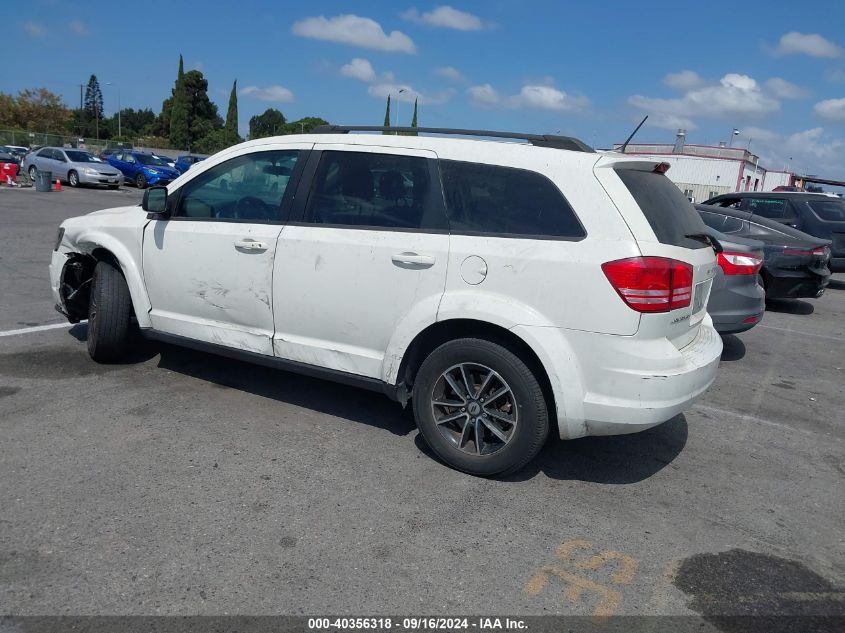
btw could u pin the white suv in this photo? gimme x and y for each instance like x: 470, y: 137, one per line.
x: 499, y: 286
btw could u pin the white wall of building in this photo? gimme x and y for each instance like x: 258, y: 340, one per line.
x: 776, y: 179
x: 700, y: 177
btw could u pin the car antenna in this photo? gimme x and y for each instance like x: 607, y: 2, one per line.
x: 628, y: 140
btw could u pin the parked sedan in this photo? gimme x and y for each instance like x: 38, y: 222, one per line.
x: 737, y: 300
x: 818, y: 214
x: 74, y: 166
x: 794, y: 265
x: 143, y: 169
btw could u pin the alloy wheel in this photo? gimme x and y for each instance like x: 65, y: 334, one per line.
x: 474, y: 408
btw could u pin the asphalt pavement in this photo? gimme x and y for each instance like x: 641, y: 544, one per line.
x: 182, y: 483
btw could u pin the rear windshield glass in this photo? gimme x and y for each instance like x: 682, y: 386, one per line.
x: 831, y: 210
x: 667, y: 210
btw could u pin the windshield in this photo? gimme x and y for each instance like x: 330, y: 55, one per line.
x: 149, y: 159
x: 81, y: 157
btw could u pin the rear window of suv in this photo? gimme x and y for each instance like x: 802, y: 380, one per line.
x: 831, y: 210
x: 667, y: 210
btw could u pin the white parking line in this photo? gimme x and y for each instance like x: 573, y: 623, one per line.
x: 753, y: 418
x: 783, y: 329
x: 37, y: 328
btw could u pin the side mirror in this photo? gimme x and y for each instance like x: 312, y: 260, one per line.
x: 155, y: 201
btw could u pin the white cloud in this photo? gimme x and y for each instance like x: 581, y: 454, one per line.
x: 683, y: 80
x: 355, y: 31
x: 831, y: 109
x: 537, y: 96
x: 735, y: 96
x: 548, y: 98
x: 450, y: 72
x: 360, y: 69
x: 35, y: 29
x: 812, y: 44
x: 785, y: 89
x: 446, y: 17
x: 808, y: 151
x: 78, y: 27
x: 409, y: 94
x: 270, y: 93
x: 484, y: 94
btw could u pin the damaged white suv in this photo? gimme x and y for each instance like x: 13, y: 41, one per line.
x: 501, y: 287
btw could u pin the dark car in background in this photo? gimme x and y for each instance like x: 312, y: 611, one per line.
x: 737, y: 300
x: 143, y: 169
x: 794, y: 264
x: 184, y: 163
x: 815, y: 214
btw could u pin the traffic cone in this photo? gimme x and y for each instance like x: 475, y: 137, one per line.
x: 58, y: 185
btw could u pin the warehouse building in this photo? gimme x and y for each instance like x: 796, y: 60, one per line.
x: 705, y: 171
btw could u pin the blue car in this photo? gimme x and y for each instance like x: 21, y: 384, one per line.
x: 184, y: 163
x: 143, y: 169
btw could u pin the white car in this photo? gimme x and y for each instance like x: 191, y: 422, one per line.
x: 501, y: 287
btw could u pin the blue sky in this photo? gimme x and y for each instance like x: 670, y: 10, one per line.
x: 592, y: 69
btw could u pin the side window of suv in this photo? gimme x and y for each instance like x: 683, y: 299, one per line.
x: 505, y: 201
x: 248, y: 188
x: 366, y: 189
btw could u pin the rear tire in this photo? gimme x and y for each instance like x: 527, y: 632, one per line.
x: 109, y: 312
x: 141, y: 181
x: 504, y: 446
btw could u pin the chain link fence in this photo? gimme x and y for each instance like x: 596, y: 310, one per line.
x: 25, y: 138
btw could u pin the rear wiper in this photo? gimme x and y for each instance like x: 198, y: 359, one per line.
x: 711, y: 241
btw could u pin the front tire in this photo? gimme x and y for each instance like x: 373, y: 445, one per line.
x: 480, y: 407
x: 33, y: 170
x: 141, y: 181
x: 73, y: 179
x: 109, y: 312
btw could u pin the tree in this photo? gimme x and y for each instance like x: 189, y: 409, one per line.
x: 212, y: 142
x: 180, y: 132
x: 93, y: 104
x: 35, y: 109
x: 304, y: 125
x: 202, y: 113
x: 232, y: 115
x: 269, y: 123
x: 414, y: 119
x: 387, y: 115
x: 133, y: 122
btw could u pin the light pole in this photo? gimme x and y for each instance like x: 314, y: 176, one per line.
x: 734, y: 133
x: 398, y: 101
x: 119, y: 130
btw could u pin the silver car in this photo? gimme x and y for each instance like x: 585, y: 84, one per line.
x: 74, y: 166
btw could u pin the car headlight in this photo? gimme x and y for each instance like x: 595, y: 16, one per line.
x: 90, y: 172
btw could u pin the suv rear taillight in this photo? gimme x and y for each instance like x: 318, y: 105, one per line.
x: 739, y: 263
x: 801, y: 252
x: 651, y: 284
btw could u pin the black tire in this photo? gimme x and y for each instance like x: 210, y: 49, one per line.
x: 73, y: 178
x: 33, y: 170
x: 141, y: 181
x: 529, y: 433
x: 109, y: 312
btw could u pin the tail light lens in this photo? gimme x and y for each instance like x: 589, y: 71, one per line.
x: 651, y: 284
x: 739, y: 263
x: 802, y: 252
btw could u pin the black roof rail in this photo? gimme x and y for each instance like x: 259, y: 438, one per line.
x: 540, y: 140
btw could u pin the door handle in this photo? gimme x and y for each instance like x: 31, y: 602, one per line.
x: 413, y: 259
x: 249, y: 244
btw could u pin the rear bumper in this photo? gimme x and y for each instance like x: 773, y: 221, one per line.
x: 623, y: 384
x: 737, y: 304
x: 796, y: 284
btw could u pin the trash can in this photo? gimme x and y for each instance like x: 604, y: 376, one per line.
x: 43, y: 180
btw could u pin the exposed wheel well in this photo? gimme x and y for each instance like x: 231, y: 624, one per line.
x: 438, y: 333
x: 76, y: 281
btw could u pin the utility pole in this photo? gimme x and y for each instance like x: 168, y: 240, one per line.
x: 81, y: 86
x: 398, y: 101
